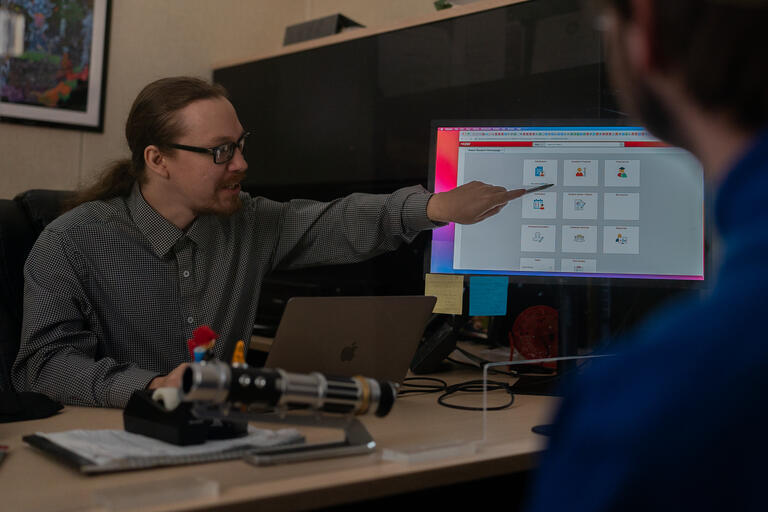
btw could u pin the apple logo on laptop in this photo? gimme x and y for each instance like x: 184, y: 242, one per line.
x: 348, y: 352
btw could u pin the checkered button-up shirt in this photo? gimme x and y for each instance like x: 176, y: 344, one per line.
x: 113, y: 290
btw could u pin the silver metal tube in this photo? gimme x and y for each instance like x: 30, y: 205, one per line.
x: 217, y: 382
x: 209, y: 382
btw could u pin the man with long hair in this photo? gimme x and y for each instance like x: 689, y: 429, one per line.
x: 167, y: 241
x: 677, y: 421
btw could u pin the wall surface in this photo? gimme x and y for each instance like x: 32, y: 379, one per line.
x: 151, y: 39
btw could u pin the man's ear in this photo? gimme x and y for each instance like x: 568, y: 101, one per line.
x: 640, y: 37
x: 155, y: 161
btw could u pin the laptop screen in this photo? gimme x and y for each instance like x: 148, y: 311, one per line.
x: 623, y: 204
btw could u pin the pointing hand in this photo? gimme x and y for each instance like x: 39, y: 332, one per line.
x: 470, y: 203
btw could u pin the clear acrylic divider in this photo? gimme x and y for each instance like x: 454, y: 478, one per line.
x: 425, y: 449
x: 487, y: 366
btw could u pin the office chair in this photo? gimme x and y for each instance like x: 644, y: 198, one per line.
x: 21, y: 221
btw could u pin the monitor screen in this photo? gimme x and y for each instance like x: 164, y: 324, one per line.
x: 622, y: 203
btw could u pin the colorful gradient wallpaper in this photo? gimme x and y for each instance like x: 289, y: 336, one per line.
x: 445, y: 178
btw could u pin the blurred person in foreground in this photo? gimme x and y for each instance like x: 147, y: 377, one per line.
x: 677, y: 420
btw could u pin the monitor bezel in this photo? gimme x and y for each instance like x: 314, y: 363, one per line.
x: 615, y: 282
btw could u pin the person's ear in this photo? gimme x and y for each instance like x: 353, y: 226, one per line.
x: 155, y: 161
x: 640, y: 37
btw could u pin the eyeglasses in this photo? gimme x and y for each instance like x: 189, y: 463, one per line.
x: 221, y: 154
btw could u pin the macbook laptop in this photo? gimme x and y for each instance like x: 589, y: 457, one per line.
x: 374, y: 337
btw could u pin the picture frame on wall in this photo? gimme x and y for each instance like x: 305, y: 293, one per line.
x: 58, y: 77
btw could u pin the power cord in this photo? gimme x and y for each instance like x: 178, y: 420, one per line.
x: 440, y: 386
x: 476, y: 386
x: 434, y: 385
x: 422, y: 388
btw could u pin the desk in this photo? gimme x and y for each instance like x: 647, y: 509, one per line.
x: 32, y: 481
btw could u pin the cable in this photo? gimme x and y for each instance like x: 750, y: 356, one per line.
x: 471, y: 386
x: 476, y: 386
x: 423, y: 388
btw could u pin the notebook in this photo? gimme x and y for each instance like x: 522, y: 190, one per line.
x: 374, y: 337
x: 104, y: 451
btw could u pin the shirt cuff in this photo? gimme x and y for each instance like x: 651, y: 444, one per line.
x: 415, y: 211
x: 125, y: 383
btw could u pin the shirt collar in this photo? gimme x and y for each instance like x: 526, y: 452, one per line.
x: 201, y: 230
x: 158, y: 230
x: 740, y: 198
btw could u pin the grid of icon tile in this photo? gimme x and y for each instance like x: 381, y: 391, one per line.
x: 578, y: 200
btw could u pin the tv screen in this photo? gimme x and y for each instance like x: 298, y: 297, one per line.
x: 620, y: 203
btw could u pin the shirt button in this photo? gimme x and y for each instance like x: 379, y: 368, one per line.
x: 190, y: 319
x: 185, y: 273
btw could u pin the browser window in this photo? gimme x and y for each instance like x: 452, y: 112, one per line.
x: 622, y: 204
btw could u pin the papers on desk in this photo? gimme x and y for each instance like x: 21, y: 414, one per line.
x: 97, y: 451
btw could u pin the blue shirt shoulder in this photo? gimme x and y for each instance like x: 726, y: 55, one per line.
x: 676, y: 421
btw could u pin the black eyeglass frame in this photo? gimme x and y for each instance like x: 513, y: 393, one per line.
x: 216, y: 151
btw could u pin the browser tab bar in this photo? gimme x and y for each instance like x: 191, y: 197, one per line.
x: 579, y: 144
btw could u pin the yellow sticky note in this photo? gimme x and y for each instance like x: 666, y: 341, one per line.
x: 448, y: 289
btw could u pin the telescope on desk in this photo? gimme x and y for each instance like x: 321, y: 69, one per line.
x: 217, y: 400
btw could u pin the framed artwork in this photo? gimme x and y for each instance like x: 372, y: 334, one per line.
x: 58, y: 77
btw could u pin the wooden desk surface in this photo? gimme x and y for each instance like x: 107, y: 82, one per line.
x: 32, y: 481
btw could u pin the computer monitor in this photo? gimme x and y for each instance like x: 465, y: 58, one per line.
x: 623, y: 205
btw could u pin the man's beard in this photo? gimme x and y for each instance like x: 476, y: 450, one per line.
x: 639, y: 99
x: 221, y: 209
x: 231, y: 208
x: 651, y: 110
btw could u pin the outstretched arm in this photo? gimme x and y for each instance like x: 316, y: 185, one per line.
x: 360, y: 226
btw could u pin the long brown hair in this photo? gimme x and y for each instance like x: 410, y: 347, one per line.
x: 152, y: 121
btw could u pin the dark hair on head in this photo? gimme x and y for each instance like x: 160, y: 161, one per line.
x: 151, y: 121
x: 718, y: 47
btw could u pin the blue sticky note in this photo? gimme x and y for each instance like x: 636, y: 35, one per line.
x: 488, y: 295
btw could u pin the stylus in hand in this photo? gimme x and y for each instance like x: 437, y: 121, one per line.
x: 537, y: 188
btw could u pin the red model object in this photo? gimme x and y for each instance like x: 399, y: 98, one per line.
x: 535, y: 334
x: 201, y: 337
